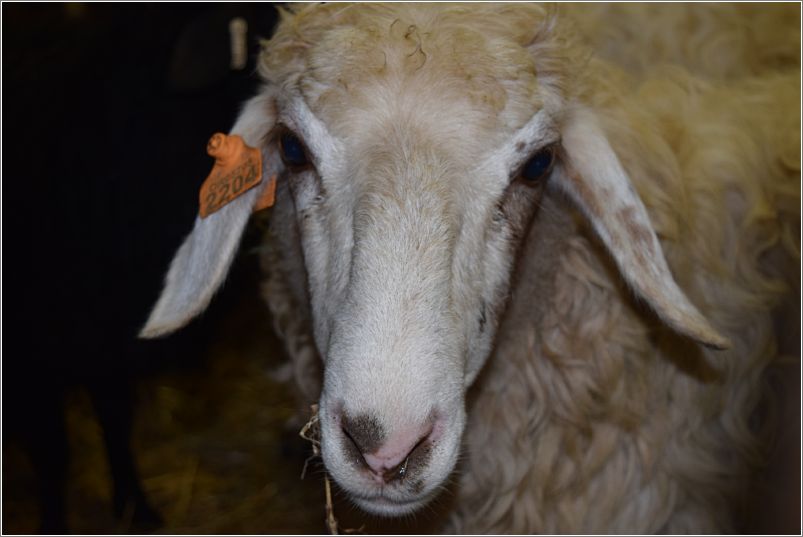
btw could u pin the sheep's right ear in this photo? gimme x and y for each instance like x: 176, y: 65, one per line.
x: 595, y: 180
x: 203, y: 260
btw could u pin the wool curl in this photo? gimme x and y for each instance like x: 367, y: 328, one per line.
x: 590, y: 415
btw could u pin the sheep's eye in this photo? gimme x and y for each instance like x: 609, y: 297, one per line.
x: 292, y: 149
x: 539, y: 166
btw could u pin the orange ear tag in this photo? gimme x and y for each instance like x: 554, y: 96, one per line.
x: 237, y: 169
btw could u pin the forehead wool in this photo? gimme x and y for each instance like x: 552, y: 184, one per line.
x: 394, y: 62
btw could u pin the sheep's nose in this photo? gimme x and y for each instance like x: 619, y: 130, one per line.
x: 388, y: 456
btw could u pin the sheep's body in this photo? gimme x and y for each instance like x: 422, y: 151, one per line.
x: 712, y: 40
x: 588, y: 420
x: 588, y: 417
x: 429, y: 229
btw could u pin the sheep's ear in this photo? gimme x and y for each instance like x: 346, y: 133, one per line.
x: 203, y: 260
x: 594, y: 178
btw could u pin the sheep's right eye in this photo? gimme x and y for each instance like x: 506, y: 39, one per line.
x: 292, y: 150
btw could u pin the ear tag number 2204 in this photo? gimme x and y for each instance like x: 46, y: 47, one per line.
x: 237, y: 169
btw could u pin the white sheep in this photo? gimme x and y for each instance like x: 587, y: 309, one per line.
x: 508, y: 250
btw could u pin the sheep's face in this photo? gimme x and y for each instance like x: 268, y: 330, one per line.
x: 412, y: 182
x: 415, y: 147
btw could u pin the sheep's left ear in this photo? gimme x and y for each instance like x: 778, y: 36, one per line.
x: 203, y: 260
x: 594, y: 178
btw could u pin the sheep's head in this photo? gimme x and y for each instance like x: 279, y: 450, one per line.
x: 414, y: 145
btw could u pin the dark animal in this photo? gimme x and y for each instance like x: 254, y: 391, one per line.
x: 106, y: 115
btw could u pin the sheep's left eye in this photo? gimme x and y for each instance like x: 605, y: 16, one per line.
x: 293, y: 152
x: 539, y: 166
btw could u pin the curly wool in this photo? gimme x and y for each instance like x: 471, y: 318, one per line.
x: 590, y: 415
x: 627, y: 427
x: 714, y: 40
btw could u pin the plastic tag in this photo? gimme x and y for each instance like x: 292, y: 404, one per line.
x: 237, y: 169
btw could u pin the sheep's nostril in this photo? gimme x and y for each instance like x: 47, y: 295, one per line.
x: 388, y: 456
x: 416, y: 458
x: 351, y: 445
x: 364, y: 432
x: 397, y: 472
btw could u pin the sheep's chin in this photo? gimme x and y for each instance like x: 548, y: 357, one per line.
x: 388, y: 508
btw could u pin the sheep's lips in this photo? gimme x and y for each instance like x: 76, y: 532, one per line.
x: 382, y: 506
x: 383, y: 503
x: 379, y: 504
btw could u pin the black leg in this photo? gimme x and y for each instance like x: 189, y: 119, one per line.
x: 113, y: 402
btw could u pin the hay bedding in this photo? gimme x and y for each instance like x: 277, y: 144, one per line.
x: 208, y: 444
x: 212, y: 444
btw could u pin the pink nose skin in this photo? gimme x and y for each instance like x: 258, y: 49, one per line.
x: 396, y: 449
x: 389, y: 455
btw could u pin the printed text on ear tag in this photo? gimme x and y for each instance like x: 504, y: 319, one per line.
x: 237, y: 169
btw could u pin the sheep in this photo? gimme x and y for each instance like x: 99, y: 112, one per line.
x: 505, y: 250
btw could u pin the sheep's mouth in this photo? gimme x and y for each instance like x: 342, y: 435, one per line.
x: 378, y: 503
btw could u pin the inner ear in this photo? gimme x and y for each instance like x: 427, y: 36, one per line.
x: 595, y: 180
